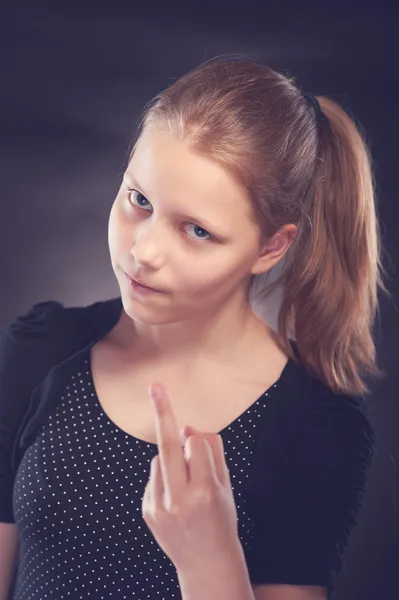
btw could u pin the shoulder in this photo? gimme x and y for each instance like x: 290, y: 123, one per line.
x: 338, y: 423
x: 52, y: 324
x: 312, y: 413
x: 314, y: 443
x: 326, y: 464
x: 29, y: 345
x: 26, y: 354
x: 33, y: 322
x: 310, y: 486
x: 306, y: 415
x: 319, y: 426
x: 46, y: 334
x: 40, y: 338
x: 37, y: 339
x: 28, y: 333
x: 35, y: 336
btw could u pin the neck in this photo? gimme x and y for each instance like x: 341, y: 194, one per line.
x: 221, y: 337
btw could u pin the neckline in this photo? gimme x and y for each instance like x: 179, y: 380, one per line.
x: 279, y: 383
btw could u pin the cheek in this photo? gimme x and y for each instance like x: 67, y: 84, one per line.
x: 117, y: 228
x: 211, y: 279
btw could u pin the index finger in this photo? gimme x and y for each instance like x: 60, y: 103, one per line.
x: 171, y: 452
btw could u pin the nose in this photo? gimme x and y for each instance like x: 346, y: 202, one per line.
x: 149, y: 243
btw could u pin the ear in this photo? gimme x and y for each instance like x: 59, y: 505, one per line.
x: 274, y: 249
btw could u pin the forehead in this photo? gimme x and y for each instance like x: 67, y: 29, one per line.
x: 172, y: 173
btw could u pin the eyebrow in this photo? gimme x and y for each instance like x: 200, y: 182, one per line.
x: 132, y: 182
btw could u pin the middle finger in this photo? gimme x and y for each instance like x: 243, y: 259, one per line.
x: 171, y: 452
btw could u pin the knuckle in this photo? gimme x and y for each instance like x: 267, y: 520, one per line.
x: 150, y: 510
x: 173, y: 509
x: 207, y: 495
x: 166, y: 447
x: 147, y: 512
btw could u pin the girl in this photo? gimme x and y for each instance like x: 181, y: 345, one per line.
x: 233, y: 171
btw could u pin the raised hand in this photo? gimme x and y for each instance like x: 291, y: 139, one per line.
x: 188, y: 503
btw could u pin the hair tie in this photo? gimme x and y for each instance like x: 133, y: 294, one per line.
x: 315, y: 104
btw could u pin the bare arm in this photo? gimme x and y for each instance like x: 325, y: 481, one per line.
x: 289, y: 592
x: 225, y: 579
x: 9, y: 542
x: 229, y: 580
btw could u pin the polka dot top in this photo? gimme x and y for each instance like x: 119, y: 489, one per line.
x: 73, y: 482
x: 77, y: 499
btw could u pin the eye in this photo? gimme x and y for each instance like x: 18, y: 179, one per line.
x: 139, y: 197
x: 142, y: 200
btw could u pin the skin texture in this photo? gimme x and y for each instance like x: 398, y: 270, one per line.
x: 203, y: 313
x: 189, y: 506
x: 182, y: 225
x: 188, y: 503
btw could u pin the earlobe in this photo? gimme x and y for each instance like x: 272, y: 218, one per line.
x: 271, y: 253
x: 264, y: 264
x: 274, y: 249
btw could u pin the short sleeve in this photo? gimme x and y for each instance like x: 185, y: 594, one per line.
x: 306, y: 512
x: 22, y: 365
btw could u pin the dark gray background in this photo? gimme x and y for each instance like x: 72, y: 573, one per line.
x: 74, y: 79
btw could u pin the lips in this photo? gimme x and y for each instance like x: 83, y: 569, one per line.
x: 143, y: 283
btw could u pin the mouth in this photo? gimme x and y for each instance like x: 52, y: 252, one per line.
x: 141, y: 284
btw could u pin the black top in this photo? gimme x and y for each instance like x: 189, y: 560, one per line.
x: 73, y: 481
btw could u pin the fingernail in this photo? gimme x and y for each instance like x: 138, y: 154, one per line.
x: 156, y: 394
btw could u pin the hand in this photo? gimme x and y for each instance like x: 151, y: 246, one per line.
x: 188, y: 503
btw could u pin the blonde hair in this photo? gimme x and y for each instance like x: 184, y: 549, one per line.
x: 256, y: 123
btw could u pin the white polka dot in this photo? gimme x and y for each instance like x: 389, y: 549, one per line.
x: 77, y: 499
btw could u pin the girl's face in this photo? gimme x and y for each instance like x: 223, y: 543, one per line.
x: 182, y: 225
